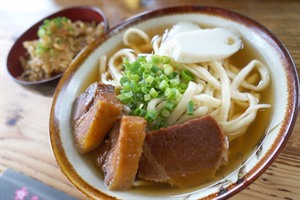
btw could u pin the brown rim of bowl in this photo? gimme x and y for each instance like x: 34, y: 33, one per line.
x: 14, y: 67
x: 286, y: 127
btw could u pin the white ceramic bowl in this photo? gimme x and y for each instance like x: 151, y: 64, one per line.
x: 285, y: 85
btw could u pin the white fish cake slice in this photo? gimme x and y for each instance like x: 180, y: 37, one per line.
x: 202, y: 45
x: 181, y: 27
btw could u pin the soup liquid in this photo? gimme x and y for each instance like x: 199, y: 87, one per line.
x: 240, y: 148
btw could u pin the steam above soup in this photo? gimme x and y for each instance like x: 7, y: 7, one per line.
x: 180, y: 93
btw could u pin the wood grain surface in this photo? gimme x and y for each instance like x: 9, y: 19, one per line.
x: 24, y: 114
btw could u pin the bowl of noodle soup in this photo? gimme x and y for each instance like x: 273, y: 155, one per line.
x: 252, y: 93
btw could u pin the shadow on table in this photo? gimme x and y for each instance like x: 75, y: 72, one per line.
x: 45, y: 89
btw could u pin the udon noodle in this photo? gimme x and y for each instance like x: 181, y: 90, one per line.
x: 220, y: 89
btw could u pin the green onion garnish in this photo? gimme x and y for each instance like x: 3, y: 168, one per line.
x: 187, y: 75
x: 190, y: 108
x: 125, y: 96
x: 164, y: 112
x: 168, y: 69
x: 150, y: 78
x: 151, y: 115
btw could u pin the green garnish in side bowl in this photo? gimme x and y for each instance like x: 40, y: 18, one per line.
x: 59, y: 41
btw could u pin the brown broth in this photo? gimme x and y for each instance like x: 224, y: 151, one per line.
x: 241, y: 148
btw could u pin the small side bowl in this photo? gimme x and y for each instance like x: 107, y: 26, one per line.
x: 82, y: 13
x: 81, y: 171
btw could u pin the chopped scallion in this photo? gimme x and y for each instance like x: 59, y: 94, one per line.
x: 153, y: 77
x: 163, y: 85
x: 147, y: 97
x: 165, y: 60
x: 153, y: 93
x: 164, y: 112
x: 140, y: 112
x: 190, y: 108
x: 187, y: 75
x: 168, y: 69
x: 170, y: 93
x: 124, y: 96
x: 151, y: 115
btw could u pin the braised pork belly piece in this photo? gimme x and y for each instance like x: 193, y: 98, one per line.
x: 120, y: 153
x: 95, y: 113
x: 184, y: 155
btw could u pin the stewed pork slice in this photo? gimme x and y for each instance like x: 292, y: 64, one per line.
x: 184, y: 155
x: 94, y: 113
x: 120, y: 153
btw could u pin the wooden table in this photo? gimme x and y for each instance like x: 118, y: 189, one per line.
x: 24, y: 116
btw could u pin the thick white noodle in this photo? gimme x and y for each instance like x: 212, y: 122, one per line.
x: 115, y: 70
x: 217, y: 89
x: 160, y: 105
x: 207, y: 100
x: 153, y: 103
x: 155, y: 43
x: 235, y: 126
x: 136, y: 33
x: 199, y: 112
x: 181, y: 106
x: 241, y: 76
x: 203, y: 74
x: 105, y: 79
x: 225, y: 88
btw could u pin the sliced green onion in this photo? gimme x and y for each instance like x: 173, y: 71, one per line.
x: 174, y: 82
x: 174, y: 75
x: 139, y: 96
x: 187, y: 75
x: 140, y: 112
x: 147, y: 97
x: 165, y: 60
x: 181, y: 87
x: 153, y: 93
x: 164, y: 112
x: 124, y: 80
x: 126, y: 62
x: 135, y: 66
x: 149, y: 79
x: 136, y: 77
x: 147, y: 65
x: 126, y: 87
x: 151, y: 115
x: 163, y: 85
x: 155, y: 59
x: 190, y: 108
x: 164, y: 77
x: 170, y: 93
x: 170, y: 105
x: 178, y: 96
x: 159, y: 72
x: 155, y: 69
x: 158, y: 126
x: 145, y: 90
x: 124, y: 96
x: 168, y: 69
